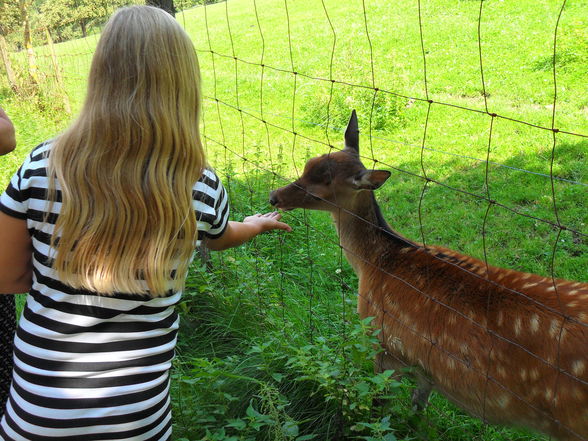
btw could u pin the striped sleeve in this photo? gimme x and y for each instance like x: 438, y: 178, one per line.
x: 211, y: 203
x: 221, y: 209
x: 12, y: 201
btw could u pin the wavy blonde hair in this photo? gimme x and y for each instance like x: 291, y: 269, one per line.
x: 128, y: 163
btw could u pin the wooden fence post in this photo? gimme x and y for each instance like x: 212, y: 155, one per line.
x: 28, y: 43
x: 7, y: 63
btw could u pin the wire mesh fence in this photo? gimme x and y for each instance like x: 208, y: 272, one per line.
x: 477, y: 109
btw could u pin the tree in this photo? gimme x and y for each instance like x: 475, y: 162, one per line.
x: 166, y: 5
x: 24, y: 7
x: 57, y: 15
x: 9, y: 20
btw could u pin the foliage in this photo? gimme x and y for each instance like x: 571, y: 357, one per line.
x: 187, y: 4
x: 9, y: 16
x: 267, y: 330
x: 62, y: 17
x: 279, y: 390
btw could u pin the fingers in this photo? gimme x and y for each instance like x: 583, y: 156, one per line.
x: 283, y: 226
x: 273, y: 215
x: 270, y: 220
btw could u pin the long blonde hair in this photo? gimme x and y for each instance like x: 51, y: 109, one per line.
x: 128, y: 164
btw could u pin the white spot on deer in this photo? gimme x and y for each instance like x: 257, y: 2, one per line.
x: 583, y: 317
x: 550, y: 289
x: 518, y: 326
x: 584, y: 297
x: 451, y: 363
x: 529, y: 285
x: 578, y: 367
x: 452, y: 319
x: 503, y: 401
x: 534, y: 374
x: 471, y: 315
x: 396, y: 344
x: 535, y: 323
x: 391, y: 303
x: 501, y: 371
x: 523, y: 374
x: 500, y: 318
x: 554, y: 328
x: 548, y: 394
x: 573, y: 292
x: 572, y: 304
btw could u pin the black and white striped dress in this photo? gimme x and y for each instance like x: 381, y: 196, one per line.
x: 91, y: 367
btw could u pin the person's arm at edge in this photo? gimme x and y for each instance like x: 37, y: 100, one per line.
x: 238, y: 233
x: 16, y: 269
x: 7, y: 135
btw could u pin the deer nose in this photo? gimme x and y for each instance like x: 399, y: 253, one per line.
x: 273, y: 199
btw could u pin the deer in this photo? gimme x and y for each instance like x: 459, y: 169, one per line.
x: 508, y: 347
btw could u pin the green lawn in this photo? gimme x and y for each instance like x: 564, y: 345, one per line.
x: 270, y: 345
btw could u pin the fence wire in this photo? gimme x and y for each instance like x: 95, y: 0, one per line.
x: 243, y: 133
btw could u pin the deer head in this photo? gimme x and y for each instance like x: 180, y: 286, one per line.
x: 333, y: 180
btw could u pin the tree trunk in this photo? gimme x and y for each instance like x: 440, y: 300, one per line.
x: 7, y: 63
x: 166, y: 5
x: 83, y: 26
x: 28, y: 43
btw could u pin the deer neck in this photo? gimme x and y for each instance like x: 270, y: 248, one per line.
x: 364, y: 234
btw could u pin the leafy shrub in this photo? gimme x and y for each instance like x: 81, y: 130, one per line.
x: 278, y: 389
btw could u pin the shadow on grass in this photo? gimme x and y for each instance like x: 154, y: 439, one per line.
x: 522, y: 236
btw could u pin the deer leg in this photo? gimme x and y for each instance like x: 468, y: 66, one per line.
x: 420, y: 395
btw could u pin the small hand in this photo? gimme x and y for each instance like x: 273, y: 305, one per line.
x: 267, y: 221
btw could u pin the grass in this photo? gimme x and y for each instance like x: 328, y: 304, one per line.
x: 269, y: 336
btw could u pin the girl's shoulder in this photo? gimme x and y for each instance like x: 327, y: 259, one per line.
x: 42, y: 150
x: 37, y: 158
x: 210, y: 178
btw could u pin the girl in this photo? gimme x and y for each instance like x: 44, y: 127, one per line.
x: 99, y: 226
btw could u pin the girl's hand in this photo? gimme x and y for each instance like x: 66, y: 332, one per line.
x: 267, y: 222
x: 240, y: 232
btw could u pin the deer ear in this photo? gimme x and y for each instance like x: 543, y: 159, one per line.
x: 370, y: 179
x: 352, y: 133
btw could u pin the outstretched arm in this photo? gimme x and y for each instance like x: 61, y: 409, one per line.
x: 238, y: 233
x: 7, y: 136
